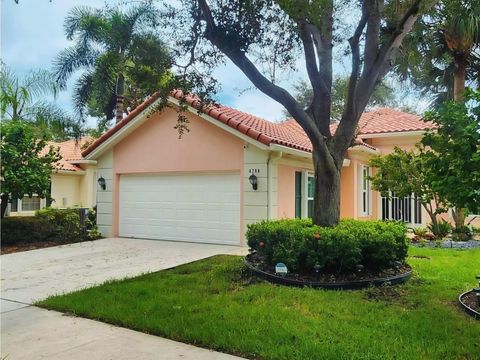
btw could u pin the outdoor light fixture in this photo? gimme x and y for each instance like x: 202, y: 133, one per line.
x: 102, y: 183
x: 253, y: 180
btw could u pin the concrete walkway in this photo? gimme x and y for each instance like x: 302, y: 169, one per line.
x: 32, y: 333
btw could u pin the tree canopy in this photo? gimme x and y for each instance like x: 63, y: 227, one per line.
x: 122, y: 57
x: 442, y: 47
x: 26, y: 166
x: 264, y: 37
x: 383, y: 95
x: 24, y: 99
x: 452, y: 152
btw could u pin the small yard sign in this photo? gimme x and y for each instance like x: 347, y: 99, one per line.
x: 281, y: 269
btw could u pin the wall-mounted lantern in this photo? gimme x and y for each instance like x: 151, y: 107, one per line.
x: 102, y: 183
x: 253, y: 181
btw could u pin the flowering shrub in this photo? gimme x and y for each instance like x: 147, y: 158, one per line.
x: 301, y: 245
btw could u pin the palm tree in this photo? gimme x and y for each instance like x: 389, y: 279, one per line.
x: 462, y: 34
x: 123, y: 59
x: 23, y: 99
x: 442, y: 53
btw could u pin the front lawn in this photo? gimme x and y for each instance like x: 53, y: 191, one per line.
x: 212, y: 303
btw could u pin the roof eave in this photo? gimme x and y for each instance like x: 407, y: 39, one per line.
x: 392, y: 134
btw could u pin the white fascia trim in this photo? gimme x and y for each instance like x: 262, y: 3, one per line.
x: 124, y: 131
x: 291, y: 151
x: 364, y: 149
x: 392, y: 134
x: 83, y: 161
x: 221, y: 125
x: 69, y: 172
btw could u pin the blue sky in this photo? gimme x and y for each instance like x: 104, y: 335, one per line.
x: 32, y: 34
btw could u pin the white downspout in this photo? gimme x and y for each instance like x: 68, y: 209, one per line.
x: 272, y: 156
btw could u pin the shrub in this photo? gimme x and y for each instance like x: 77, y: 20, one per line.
x: 420, y: 231
x: 59, y: 225
x: 462, y: 234
x: 65, y: 221
x: 444, y: 228
x: 25, y: 229
x: 301, y: 245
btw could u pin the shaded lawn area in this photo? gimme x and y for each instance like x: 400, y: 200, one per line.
x: 212, y: 303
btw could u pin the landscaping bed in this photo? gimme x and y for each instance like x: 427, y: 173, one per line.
x: 468, y: 301
x: 351, y: 280
x: 9, y: 249
x: 448, y: 244
x: 214, y: 303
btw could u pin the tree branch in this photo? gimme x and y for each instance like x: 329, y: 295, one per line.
x: 360, y: 89
x: 276, y: 92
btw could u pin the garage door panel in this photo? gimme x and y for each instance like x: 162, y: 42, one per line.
x: 190, y: 207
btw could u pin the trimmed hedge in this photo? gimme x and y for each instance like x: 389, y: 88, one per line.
x: 59, y: 225
x: 25, y: 229
x: 301, y: 245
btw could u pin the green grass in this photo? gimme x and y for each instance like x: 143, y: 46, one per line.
x: 212, y: 303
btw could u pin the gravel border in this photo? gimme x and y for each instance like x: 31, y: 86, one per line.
x: 449, y: 244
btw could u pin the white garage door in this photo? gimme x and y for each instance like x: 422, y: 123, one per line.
x: 190, y: 207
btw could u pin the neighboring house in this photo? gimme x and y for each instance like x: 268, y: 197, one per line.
x: 198, y: 187
x: 73, y: 182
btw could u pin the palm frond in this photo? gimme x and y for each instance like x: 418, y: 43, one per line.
x: 82, y: 92
x: 77, y: 20
x: 59, y: 122
x: 72, y: 59
x: 41, y: 83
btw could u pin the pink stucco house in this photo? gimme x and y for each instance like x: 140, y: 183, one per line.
x: 198, y: 188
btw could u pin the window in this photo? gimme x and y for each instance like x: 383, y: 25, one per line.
x: 27, y: 204
x: 14, y: 205
x: 298, y: 194
x: 30, y: 203
x: 304, y: 192
x: 365, y: 191
x: 407, y: 209
x: 310, y: 194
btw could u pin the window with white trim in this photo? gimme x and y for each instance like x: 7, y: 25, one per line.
x: 365, y: 191
x: 310, y: 194
x: 27, y: 203
x: 304, y: 193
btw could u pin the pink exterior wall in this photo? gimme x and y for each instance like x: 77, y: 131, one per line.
x: 286, y: 191
x: 348, y: 191
x: 155, y: 147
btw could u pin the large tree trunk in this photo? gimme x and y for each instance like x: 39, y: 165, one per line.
x: 459, y: 76
x: 326, y: 207
x: 458, y: 215
x: 4, y: 199
x: 119, y: 92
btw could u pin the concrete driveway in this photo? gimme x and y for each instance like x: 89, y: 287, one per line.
x: 29, y: 332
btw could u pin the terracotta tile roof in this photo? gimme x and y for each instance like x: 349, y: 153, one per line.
x: 386, y: 120
x: 70, y: 150
x: 287, y: 133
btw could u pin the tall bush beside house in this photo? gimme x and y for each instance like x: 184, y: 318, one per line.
x: 26, y: 168
x: 301, y: 245
x: 404, y: 173
x: 452, y: 152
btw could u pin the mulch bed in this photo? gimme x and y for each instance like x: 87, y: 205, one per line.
x: 325, y: 277
x: 10, y: 249
x: 470, y: 299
